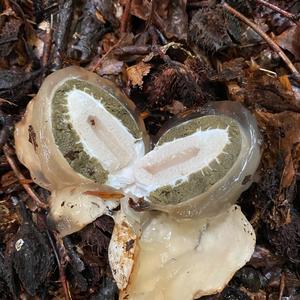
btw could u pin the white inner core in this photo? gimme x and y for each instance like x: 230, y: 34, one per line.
x: 176, y: 160
x: 102, y: 135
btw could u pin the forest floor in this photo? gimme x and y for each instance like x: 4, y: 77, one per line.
x: 168, y: 56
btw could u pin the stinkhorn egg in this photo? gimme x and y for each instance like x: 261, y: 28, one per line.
x: 82, y: 139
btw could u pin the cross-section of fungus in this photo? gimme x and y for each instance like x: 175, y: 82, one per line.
x: 79, y: 130
x: 194, y: 163
x: 85, y: 130
x: 81, y: 139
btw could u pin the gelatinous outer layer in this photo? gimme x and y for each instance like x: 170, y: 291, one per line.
x: 74, y: 207
x: 122, y: 250
x: 56, y: 152
x: 201, y: 166
x: 187, y: 259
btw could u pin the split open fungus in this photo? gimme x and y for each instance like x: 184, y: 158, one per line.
x: 79, y: 129
x: 201, y: 164
x: 82, y: 139
x: 80, y: 134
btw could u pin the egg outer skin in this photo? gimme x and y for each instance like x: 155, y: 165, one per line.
x: 188, y: 258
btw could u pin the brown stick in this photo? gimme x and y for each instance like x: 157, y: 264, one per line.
x: 47, y: 46
x: 6, y: 4
x: 61, y: 269
x: 22, y: 179
x: 286, y: 14
x: 271, y: 43
x: 94, y: 65
x: 125, y: 17
x: 198, y: 4
x: 281, y: 286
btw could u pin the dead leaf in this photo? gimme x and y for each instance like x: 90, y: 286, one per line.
x: 137, y: 72
x: 9, y: 34
x: 290, y: 40
x: 284, y: 123
x: 177, y: 20
x: 282, y: 126
x: 169, y: 16
x: 110, y: 66
x: 274, y: 94
x: 8, y: 179
x: 15, y: 83
x: 296, y: 91
x: 285, y: 82
x: 29, y: 256
x: 289, y: 171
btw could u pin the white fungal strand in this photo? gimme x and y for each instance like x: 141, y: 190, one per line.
x: 188, y: 259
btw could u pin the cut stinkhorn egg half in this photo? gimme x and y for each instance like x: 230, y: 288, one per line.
x: 80, y: 129
x: 80, y: 136
x: 198, y: 167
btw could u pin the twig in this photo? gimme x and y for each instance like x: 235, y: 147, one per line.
x: 125, y: 17
x: 161, y: 37
x: 133, y: 50
x: 94, y: 65
x: 281, y: 286
x: 271, y: 43
x: 286, y: 14
x: 61, y: 32
x: 22, y: 179
x: 199, y: 4
x: 154, y: 35
x: 6, y: 101
x: 47, y: 45
x: 155, y: 46
x: 62, y: 274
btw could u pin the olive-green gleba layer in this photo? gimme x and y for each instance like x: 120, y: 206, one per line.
x: 213, y: 170
x: 194, y: 163
x: 190, y: 144
x: 69, y: 139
